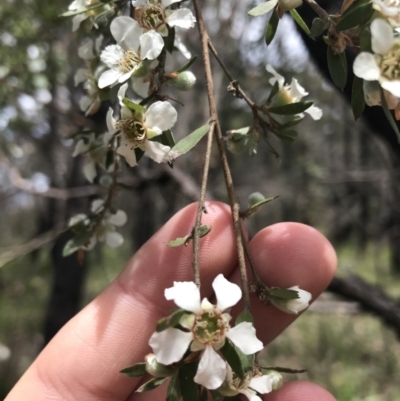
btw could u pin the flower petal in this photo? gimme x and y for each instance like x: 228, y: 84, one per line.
x: 212, y: 369
x: 77, y: 20
x: 111, y: 122
x: 170, y: 345
x: 161, y: 115
x: 279, y: 78
x: 262, y: 384
x: 97, y: 206
x: 167, y: 3
x: 185, y: 294
x: 296, y: 90
x: 118, y: 219
x: 86, y: 50
x: 314, y: 112
x: 227, y: 293
x: 89, y: 170
x: 365, y: 67
x: 244, y: 337
x: 122, y: 92
x: 392, y: 86
x: 151, y: 45
x: 114, y: 239
x: 157, y: 151
x: 251, y: 395
x: 381, y: 36
x: 108, y: 78
x: 81, y: 147
x: 182, y: 17
x: 120, y: 28
x: 141, y: 87
x: 129, y: 153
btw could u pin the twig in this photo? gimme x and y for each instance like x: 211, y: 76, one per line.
x: 224, y: 160
x: 200, y: 209
x: 320, y: 12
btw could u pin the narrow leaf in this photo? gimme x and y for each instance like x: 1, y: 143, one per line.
x: 283, y: 370
x: 355, y: 17
x: 389, y: 115
x: 337, y: 65
x: 189, y: 388
x: 137, y: 370
x: 187, y: 65
x: 151, y: 384
x: 271, y: 28
x: 136, y: 109
x: 263, y: 8
x: 232, y: 357
x: 256, y: 207
x: 283, y: 293
x: 76, y: 243
x: 274, y: 91
x: 178, y: 241
x: 357, y: 98
x: 291, y: 108
x: 170, y: 321
x: 187, y: 143
x: 174, y: 388
x: 300, y: 22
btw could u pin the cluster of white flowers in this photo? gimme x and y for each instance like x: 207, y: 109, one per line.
x: 205, y: 328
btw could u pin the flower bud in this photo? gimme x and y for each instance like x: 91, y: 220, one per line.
x: 184, y: 81
x: 254, y: 198
x: 157, y: 369
x: 275, y: 378
x: 287, y: 5
x: 293, y: 306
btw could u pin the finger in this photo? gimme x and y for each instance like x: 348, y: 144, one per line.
x: 285, y: 255
x: 299, y: 391
x: 83, y: 361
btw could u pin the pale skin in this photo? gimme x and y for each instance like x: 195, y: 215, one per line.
x: 82, y: 362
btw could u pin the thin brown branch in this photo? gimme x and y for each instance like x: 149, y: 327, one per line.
x: 220, y: 143
x: 201, y: 207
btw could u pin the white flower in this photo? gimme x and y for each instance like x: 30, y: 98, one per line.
x: 389, y: 9
x: 384, y: 64
x: 137, y: 130
x: 293, y: 306
x: 123, y: 59
x: 95, y: 147
x: 253, y: 383
x: 208, y: 328
x: 292, y: 93
x: 152, y: 20
x: 106, y: 230
x: 90, y: 102
x: 90, y: 14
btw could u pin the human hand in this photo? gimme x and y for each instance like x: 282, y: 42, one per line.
x: 83, y: 361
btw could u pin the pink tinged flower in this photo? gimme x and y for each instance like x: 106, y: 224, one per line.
x: 293, y: 306
x: 208, y: 329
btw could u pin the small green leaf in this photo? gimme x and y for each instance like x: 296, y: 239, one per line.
x: 389, y: 115
x: 189, y: 388
x: 263, y: 8
x: 137, y: 370
x: 151, y: 384
x: 244, y: 316
x: 136, y: 109
x: 256, y: 207
x: 283, y: 293
x: 357, y: 98
x: 271, y: 28
x: 187, y: 65
x: 174, y: 388
x: 166, y: 138
x: 291, y: 108
x: 337, y: 65
x: 170, y: 321
x: 287, y: 135
x: 82, y: 10
x: 187, y: 143
x: 291, y: 123
x: 318, y: 27
x: 76, y: 243
x: 274, y: 91
x: 365, y: 40
x: 300, y: 22
x: 355, y: 17
x: 232, y: 357
x: 179, y: 241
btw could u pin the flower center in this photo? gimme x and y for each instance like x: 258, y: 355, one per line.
x: 209, y: 327
x: 129, y: 61
x: 150, y: 17
x: 390, y: 64
x: 134, y: 130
